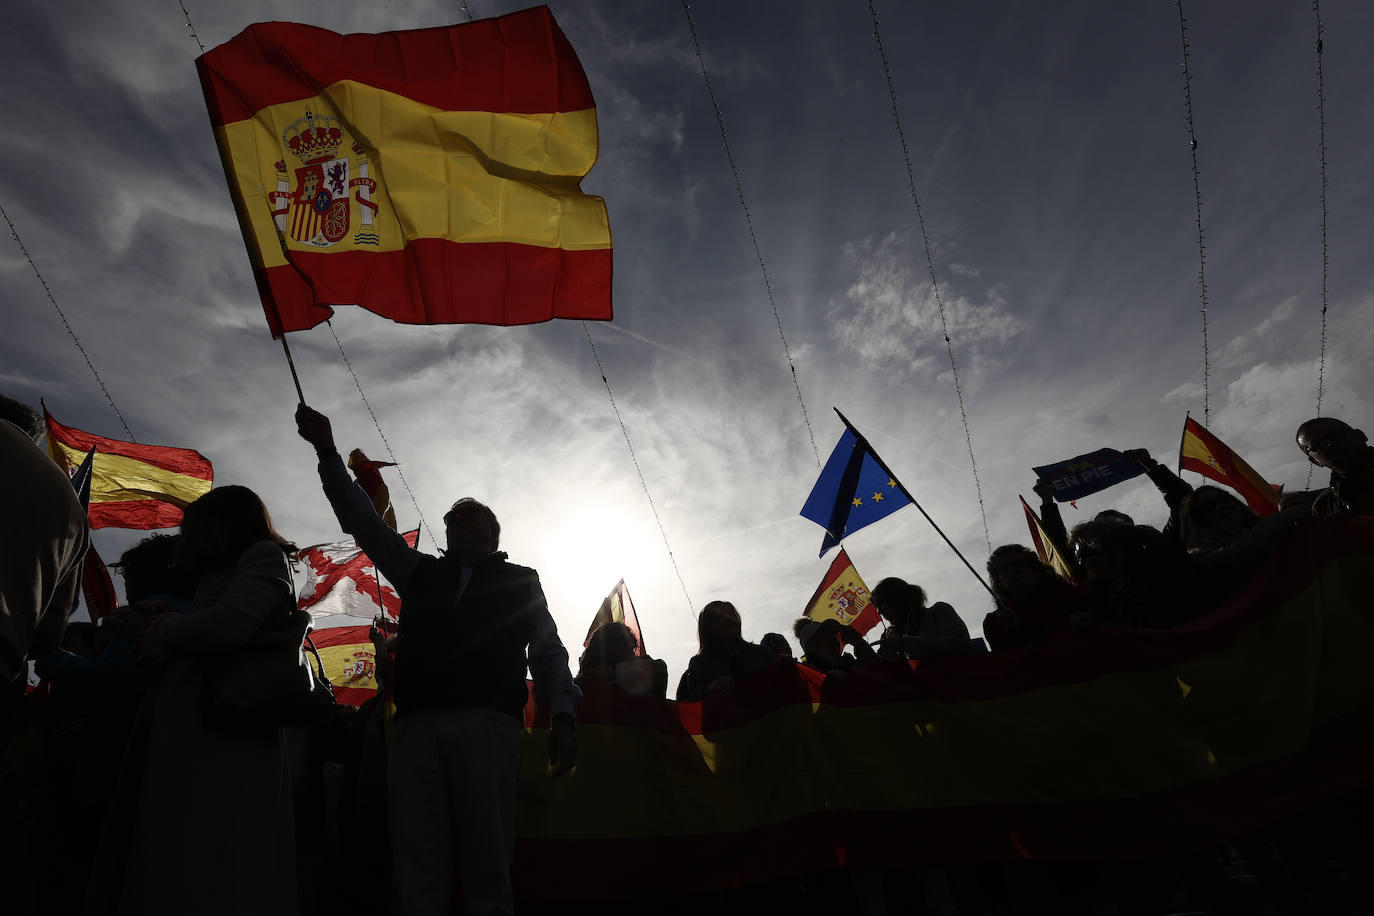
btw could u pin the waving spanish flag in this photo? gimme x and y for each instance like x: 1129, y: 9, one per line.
x: 132, y: 485
x: 1204, y: 453
x: 429, y: 176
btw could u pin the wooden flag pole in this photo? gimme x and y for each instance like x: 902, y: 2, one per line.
x: 907, y: 493
x: 291, y: 364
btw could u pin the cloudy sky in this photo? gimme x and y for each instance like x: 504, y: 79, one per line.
x: 1050, y: 151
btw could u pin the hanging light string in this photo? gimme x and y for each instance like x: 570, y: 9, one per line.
x: 392, y: 455
x: 749, y: 221
x: 190, y: 27
x: 47, y: 291
x: 638, y: 470
x: 1197, y: 201
x: 930, y: 266
x: 1321, y: 119
x: 463, y: 4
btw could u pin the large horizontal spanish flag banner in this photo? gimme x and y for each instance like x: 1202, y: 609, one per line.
x: 430, y: 176
x: 1107, y: 744
x: 132, y: 485
x: 1204, y: 453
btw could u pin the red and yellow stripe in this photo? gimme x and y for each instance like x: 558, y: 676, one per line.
x: 475, y: 136
x: 132, y: 485
x: 1095, y: 745
x: 347, y: 654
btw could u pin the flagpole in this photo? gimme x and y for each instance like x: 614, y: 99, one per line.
x: 291, y: 364
x: 907, y: 493
x: 1183, y: 437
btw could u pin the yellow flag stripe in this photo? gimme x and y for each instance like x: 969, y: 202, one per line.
x: 464, y: 176
x: 116, y: 478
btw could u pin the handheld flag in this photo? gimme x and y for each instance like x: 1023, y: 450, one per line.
x: 341, y: 581
x: 349, y: 661
x: 96, y: 585
x: 132, y: 485
x: 1045, y: 547
x: 843, y: 596
x: 429, y: 176
x: 1082, y: 475
x: 617, y: 608
x: 852, y: 491
x: 369, y: 477
x: 1204, y: 453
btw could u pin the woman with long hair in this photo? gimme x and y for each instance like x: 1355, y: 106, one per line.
x: 212, y: 830
x: 724, y: 657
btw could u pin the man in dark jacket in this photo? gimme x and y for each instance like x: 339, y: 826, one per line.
x: 1332, y: 444
x: 470, y: 624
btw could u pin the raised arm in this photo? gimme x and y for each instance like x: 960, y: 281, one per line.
x: 1172, y: 487
x: 387, y: 549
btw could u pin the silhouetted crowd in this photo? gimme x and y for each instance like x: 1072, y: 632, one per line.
x: 184, y: 755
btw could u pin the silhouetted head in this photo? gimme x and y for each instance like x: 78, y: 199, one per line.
x: 1113, y: 517
x: 29, y: 421
x: 149, y: 568
x: 221, y: 525
x: 1016, y: 572
x: 778, y: 645
x: 1210, y: 518
x: 896, y: 599
x: 1100, y: 548
x: 1330, y: 443
x: 611, y: 644
x: 473, y: 531
x: 718, y: 627
x: 820, y: 639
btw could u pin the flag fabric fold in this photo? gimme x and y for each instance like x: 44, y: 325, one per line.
x: 618, y: 608
x: 852, y: 491
x: 843, y: 596
x: 429, y: 176
x: 1204, y: 453
x: 368, y: 474
x: 96, y: 585
x: 132, y: 485
x: 341, y: 582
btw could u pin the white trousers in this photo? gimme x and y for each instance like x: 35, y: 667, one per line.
x: 452, y: 793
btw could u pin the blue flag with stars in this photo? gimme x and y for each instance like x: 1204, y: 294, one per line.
x: 852, y: 491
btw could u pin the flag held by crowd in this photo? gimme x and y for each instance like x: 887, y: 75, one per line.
x: 617, y: 608
x: 852, y: 491
x: 1049, y: 552
x: 1083, y: 475
x: 1204, y: 453
x: 843, y: 596
x: 132, y: 485
x: 340, y: 581
x: 429, y: 176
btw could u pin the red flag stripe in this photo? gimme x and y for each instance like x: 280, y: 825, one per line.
x: 168, y: 458
x: 502, y: 283
x: 520, y: 63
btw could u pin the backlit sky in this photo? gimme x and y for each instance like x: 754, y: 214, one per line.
x: 1050, y: 152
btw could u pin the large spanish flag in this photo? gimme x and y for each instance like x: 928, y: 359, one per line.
x: 132, y: 485
x: 430, y: 176
x: 1204, y: 453
x: 1094, y: 745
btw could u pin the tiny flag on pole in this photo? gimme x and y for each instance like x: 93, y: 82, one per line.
x: 1045, y: 547
x: 430, y: 176
x: 617, y: 608
x: 1204, y: 453
x: 852, y: 491
x: 369, y: 477
x: 132, y: 485
x: 843, y: 596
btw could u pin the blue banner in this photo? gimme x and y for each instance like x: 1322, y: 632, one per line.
x: 1077, y: 477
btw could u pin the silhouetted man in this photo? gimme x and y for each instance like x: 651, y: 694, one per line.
x: 1330, y: 443
x: 470, y: 623
x: 917, y: 631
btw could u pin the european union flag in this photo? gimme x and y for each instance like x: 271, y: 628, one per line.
x: 852, y: 491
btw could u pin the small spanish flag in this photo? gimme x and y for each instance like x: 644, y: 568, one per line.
x: 1204, y: 453
x: 843, y: 596
x: 617, y: 608
x: 369, y: 476
x: 1045, y: 547
x: 429, y: 176
x: 132, y: 485
x: 349, y: 661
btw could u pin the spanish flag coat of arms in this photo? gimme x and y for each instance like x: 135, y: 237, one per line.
x: 430, y: 176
